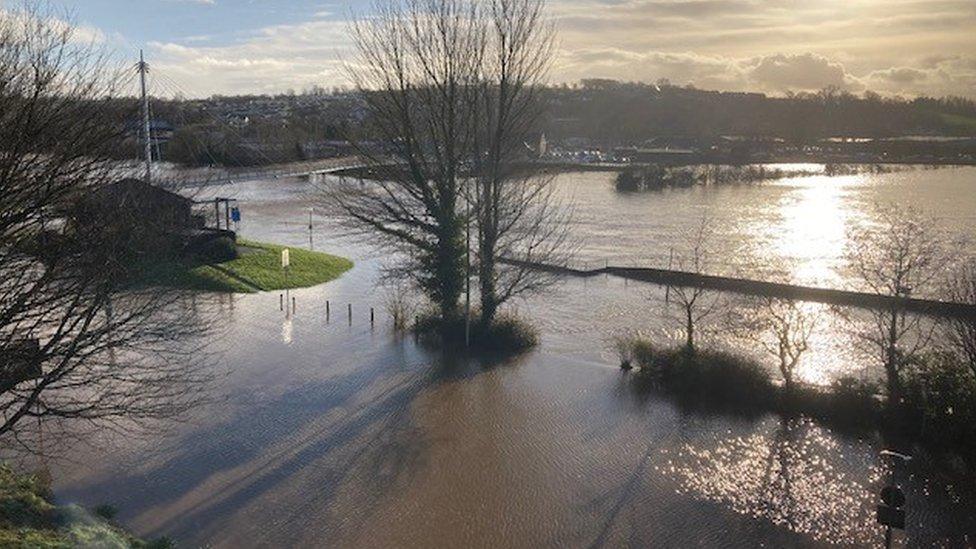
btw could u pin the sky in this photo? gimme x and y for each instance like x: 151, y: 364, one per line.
x: 896, y: 47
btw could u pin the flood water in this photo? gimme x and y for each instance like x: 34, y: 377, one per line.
x: 327, y: 432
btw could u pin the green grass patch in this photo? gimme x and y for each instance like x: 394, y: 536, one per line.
x: 257, y: 268
x: 961, y: 122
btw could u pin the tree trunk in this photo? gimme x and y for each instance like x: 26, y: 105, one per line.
x: 891, y: 360
x: 486, y: 280
x: 690, y: 331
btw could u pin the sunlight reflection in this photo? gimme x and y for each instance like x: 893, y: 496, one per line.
x: 792, y: 475
x: 286, y: 330
x: 812, y: 232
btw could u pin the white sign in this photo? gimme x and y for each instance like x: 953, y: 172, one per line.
x: 285, y: 260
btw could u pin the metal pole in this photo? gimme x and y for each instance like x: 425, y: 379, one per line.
x: 217, y: 211
x: 467, y: 268
x: 147, y: 143
x: 310, y: 247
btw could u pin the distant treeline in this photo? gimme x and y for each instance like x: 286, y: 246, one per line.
x: 607, y: 111
x: 655, y: 177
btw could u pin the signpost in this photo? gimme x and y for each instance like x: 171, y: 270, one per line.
x: 285, y: 264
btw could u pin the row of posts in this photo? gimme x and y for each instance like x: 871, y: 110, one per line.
x: 328, y: 309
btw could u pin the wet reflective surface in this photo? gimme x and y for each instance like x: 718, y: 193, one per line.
x: 326, y: 432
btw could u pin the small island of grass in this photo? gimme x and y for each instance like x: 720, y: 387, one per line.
x: 256, y: 267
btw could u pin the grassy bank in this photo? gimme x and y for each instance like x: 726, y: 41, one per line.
x: 28, y: 518
x: 256, y: 268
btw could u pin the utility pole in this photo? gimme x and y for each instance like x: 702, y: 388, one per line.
x: 143, y: 69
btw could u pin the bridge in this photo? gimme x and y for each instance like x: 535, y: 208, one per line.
x: 277, y: 171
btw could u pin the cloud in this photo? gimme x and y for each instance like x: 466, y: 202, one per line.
x: 269, y: 60
x: 807, y: 71
x: 893, y: 46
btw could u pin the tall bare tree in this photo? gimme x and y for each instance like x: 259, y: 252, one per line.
x: 961, y: 332
x: 899, y: 255
x: 517, y: 214
x: 452, y: 93
x: 76, y: 341
x: 417, y: 68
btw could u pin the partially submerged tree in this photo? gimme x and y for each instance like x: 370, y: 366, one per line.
x: 517, y: 213
x: 899, y: 255
x: 782, y: 328
x: 76, y: 341
x: 417, y: 68
x: 696, y: 304
x: 961, y: 332
x: 451, y: 91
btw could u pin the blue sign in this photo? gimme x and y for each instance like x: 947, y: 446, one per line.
x: 235, y: 215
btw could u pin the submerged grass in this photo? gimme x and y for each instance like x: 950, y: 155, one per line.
x: 256, y: 268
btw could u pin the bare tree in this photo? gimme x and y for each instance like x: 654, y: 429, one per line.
x: 695, y: 302
x: 900, y: 255
x: 452, y: 90
x: 417, y: 68
x: 517, y: 213
x: 782, y: 328
x: 77, y: 341
x: 961, y: 332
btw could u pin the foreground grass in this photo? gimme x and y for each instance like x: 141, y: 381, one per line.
x: 29, y: 519
x: 256, y: 269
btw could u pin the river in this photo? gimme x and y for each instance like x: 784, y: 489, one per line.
x: 330, y: 432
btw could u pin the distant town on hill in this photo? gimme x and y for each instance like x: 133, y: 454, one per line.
x: 589, y: 119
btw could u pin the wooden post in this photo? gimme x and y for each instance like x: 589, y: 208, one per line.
x: 350, y: 313
x: 293, y: 304
x: 371, y: 317
x: 327, y: 312
x: 227, y: 214
x: 281, y: 302
x: 217, y: 211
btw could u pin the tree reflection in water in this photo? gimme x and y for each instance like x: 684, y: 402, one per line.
x: 788, y: 472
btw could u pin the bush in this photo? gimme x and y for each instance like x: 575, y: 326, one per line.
x: 507, y: 335
x: 218, y: 250
x: 940, y: 398
x: 705, y: 378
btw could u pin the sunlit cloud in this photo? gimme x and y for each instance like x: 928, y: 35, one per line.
x: 905, y: 47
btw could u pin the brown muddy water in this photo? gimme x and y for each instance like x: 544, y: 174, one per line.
x: 326, y: 433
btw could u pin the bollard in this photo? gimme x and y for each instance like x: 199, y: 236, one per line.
x: 371, y: 317
x: 293, y: 304
x: 326, y: 309
x: 350, y: 314
x: 281, y: 302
